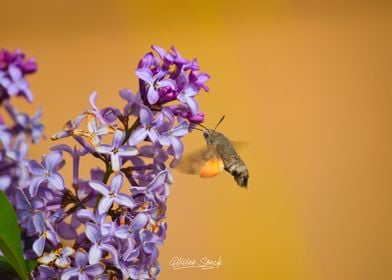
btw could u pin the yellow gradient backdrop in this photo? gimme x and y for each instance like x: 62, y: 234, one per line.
x: 309, y: 88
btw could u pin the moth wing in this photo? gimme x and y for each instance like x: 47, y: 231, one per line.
x: 212, y: 167
x: 204, y: 162
x: 239, y: 145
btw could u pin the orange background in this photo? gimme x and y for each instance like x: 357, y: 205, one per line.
x: 308, y: 86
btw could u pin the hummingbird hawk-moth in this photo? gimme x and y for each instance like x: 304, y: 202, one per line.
x: 219, y: 155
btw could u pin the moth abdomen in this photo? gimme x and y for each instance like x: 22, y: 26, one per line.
x: 240, y: 172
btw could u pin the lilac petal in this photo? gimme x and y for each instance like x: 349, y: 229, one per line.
x: 104, y: 149
x: 127, y: 94
x: 178, y: 147
x: 81, y: 258
x: 34, y: 184
x: 92, y: 125
x: 127, y: 151
x: 100, y: 187
x: 147, y: 151
x: 36, y: 168
x: 133, y: 272
x: 28, y: 94
x: 85, y: 214
x: 140, y: 221
x: 109, y: 248
x: 167, y: 83
x: 69, y: 273
x: 57, y: 181
x: 62, y: 147
x: 92, y: 232
x: 104, y: 130
x: 146, y: 116
x: 115, y: 161
x: 47, y: 258
x: 203, y: 77
x: 192, y: 105
x: 152, y: 95
x: 38, y: 246
x: 13, y: 89
x: 145, y: 74
x: 124, y: 200
x: 52, y: 236
x: 66, y: 231
x: 92, y: 100
x: 5, y: 182
x: 137, y: 136
x: 15, y: 72
x: 158, y: 181
x: 153, y: 271
x: 95, y: 254
x: 153, y: 135
x: 165, y: 139
x: 62, y: 262
x: 94, y: 269
x: 122, y: 232
x: 162, y: 53
x: 67, y: 251
x: 39, y: 223
x: 190, y: 91
x: 53, y: 159
x: 97, y: 174
x: 116, y: 183
x: 5, y: 82
x: 118, y: 138
x: 105, y: 204
x: 149, y: 248
x: 132, y: 252
x: 181, y: 130
x: 21, y: 200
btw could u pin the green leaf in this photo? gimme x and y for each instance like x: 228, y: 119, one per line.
x: 6, y: 266
x: 31, y: 265
x: 10, y: 242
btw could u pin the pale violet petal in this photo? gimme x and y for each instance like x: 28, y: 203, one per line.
x: 127, y: 151
x: 124, y: 200
x: 92, y: 232
x: 100, y: 187
x: 95, y: 254
x: 145, y: 74
x: 53, y: 159
x: 105, y: 204
x: 104, y: 149
x: 38, y: 246
x: 57, y: 181
x: 116, y: 183
x: 137, y: 136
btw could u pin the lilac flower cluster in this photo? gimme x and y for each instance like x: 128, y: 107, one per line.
x: 114, y: 220
x: 16, y: 128
x: 13, y: 70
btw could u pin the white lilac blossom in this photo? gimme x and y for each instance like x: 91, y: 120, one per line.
x: 115, y: 218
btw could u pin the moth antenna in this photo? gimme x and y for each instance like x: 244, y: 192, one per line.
x: 197, y: 129
x: 199, y: 124
x: 221, y: 120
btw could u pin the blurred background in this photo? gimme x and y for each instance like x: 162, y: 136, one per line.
x: 307, y: 85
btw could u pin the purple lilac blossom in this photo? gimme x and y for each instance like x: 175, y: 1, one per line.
x: 13, y: 70
x: 115, y: 217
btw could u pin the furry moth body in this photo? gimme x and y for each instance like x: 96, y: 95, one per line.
x: 225, y: 150
x: 219, y: 155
